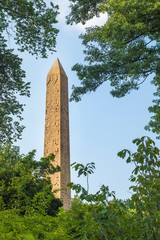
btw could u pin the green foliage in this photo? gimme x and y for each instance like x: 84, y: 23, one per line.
x: 24, y: 183
x: 83, y: 170
x: 30, y: 24
x: 146, y: 178
x: 79, y: 222
x: 154, y: 124
x: 101, y: 216
x: 76, y: 223
x: 82, y: 10
x: 99, y: 196
x: 135, y: 218
x: 11, y: 81
x: 124, y: 51
x: 15, y: 227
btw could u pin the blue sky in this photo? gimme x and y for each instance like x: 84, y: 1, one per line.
x: 100, y: 125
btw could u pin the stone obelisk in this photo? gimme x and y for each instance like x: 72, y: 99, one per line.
x: 56, y: 138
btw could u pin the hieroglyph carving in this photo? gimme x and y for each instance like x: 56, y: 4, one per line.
x: 57, y: 129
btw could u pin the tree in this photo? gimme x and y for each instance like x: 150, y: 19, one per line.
x: 117, y: 219
x: 145, y: 200
x: 99, y: 217
x: 24, y: 183
x: 124, y: 51
x: 31, y: 25
x: 34, y: 227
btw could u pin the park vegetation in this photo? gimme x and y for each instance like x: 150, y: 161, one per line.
x: 124, y: 51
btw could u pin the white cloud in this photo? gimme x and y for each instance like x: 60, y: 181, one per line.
x: 99, y: 21
x: 64, y: 11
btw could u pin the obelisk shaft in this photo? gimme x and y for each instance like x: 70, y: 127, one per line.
x: 56, y: 139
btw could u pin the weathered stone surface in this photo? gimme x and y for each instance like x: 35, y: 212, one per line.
x: 56, y: 139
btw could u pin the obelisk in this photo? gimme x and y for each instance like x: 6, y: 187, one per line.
x: 56, y: 138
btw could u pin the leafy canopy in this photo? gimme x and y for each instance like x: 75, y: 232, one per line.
x: 33, y: 227
x: 124, y: 51
x: 117, y: 219
x: 31, y: 25
x: 145, y: 200
x: 101, y: 216
x: 24, y: 183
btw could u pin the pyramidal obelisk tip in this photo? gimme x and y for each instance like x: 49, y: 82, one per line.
x: 57, y: 68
